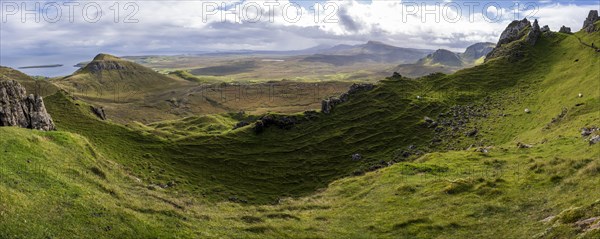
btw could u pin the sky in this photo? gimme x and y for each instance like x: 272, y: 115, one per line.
x: 67, y: 32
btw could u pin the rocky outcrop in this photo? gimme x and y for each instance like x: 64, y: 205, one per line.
x: 545, y: 29
x: 19, y: 109
x: 534, y: 33
x: 515, y: 31
x: 564, y: 29
x: 328, y: 104
x: 592, y: 18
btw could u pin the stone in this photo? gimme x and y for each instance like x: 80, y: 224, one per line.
x: 545, y: 29
x: 523, y: 146
x: 527, y: 111
x: 595, y: 139
x: 22, y: 110
x: 592, y: 18
x: 580, y: 95
x: 99, y: 111
x: 564, y: 29
x: 587, y: 131
x: 356, y: 157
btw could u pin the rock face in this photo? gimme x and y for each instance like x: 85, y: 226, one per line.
x: 592, y: 18
x: 328, y: 104
x: 564, y: 29
x: 19, y: 109
x: 535, y: 33
x: 513, y: 32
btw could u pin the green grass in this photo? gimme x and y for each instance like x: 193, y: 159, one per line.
x: 297, y: 183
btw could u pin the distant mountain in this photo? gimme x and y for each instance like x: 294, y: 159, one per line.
x: 372, y: 51
x: 442, y: 57
x: 445, y: 61
x: 477, y: 51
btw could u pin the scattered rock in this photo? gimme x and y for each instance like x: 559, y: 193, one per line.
x: 430, y: 122
x: 527, y: 111
x: 580, y: 95
x: 558, y: 118
x: 18, y: 109
x: 564, y: 29
x: 595, y: 139
x: 356, y: 157
x: 523, y: 146
x: 592, y: 18
x: 587, y: 131
x: 99, y: 111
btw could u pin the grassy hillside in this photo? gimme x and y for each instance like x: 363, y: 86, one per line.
x: 427, y: 181
x: 33, y: 86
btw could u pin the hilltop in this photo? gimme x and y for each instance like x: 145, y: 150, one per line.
x: 110, y: 76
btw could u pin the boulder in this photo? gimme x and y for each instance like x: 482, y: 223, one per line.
x: 592, y: 18
x: 99, y: 111
x: 595, y: 139
x: 523, y: 146
x: 564, y: 29
x: 356, y: 157
x: 22, y: 110
x: 587, y: 131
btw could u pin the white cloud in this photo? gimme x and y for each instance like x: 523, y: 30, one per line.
x: 179, y: 27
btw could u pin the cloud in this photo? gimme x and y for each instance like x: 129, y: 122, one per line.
x: 181, y: 27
